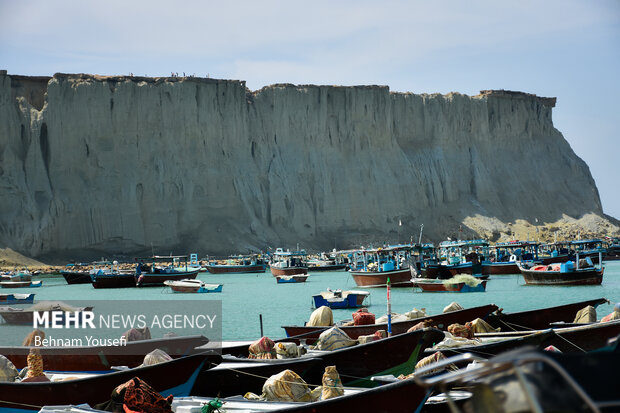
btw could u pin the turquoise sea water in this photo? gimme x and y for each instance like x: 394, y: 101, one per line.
x: 245, y: 296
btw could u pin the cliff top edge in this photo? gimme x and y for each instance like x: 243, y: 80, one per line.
x: 493, y: 93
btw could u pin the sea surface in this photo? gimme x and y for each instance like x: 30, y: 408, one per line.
x: 246, y: 297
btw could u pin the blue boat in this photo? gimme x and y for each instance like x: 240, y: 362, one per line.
x: 340, y: 299
x: 16, y: 298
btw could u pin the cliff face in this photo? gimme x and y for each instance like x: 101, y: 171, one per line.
x: 117, y: 164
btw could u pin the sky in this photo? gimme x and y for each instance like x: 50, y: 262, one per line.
x: 561, y: 48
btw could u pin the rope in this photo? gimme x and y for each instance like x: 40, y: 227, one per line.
x: 284, y: 381
x: 21, y: 404
x: 571, y: 343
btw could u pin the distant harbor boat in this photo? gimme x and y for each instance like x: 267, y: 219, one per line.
x: 193, y: 286
x: 580, y: 272
x: 16, y: 298
x: 152, y: 275
x: 20, y: 284
x: 294, y: 278
x: 340, y: 299
x: 288, y: 263
x: 238, y: 265
x: 377, y: 265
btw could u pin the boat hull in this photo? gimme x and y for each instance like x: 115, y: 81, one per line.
x: 394, y: 355
x: 398, y: 278
x: 102, y: 358
x: 350, y: 301
x: 175, y: 377
x: 291, y: 279
x: 235, y: 269
x: 500, y: 268
x: 16, y: 298
x: 21, y: 284
x: 157, y: 280
x: 288, y: 271
x: 577, y: 277
x: 455, y: 287
x: 540, y: 319
x: 76, y: 277
x: 114, y: 281
x: 442, y: 321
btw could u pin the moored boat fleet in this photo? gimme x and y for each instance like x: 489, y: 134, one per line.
x: 411, y: 362
x: 364, y: 364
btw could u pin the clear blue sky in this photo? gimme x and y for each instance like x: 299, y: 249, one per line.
x: 563, y: 48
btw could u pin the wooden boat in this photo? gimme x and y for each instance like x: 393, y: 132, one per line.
x: 25, y: 316
x: 439, y: 286
x: 458, y: 257
x: 238, y: 265
x: 380, y: 264
x: 504, y: 257
x: 16, y: 298
x: 389, y: 398
x: 175, y: 377
x: 561, y: 274
x: 393, y: 355
x: 153, y: 275
x: 586, y: 337
x: 442, y: 321
x: 17, y: 275
x: 76, y: 277
x: 102, y: 358
x: 21, y: 284
x: 293, y: 278
x: 541, y: 318
x: 193, y: 286
x: 288, y: 263
x: 533, y: 380
x: 340, y: 299
x: 328, y: 262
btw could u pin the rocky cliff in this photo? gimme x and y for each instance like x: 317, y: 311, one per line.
x: 101, y: 165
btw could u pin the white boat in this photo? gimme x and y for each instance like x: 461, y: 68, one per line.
x: 193, y: 286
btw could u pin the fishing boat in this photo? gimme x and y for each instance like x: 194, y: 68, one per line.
x: 25, y: 316
x: 450, y: 286
x: 531, y: 380
x: 102, y: 358
x: 240, y: 264
x: 442, y: 321
x: 392, y: 355
x: 178, y: 268
x: 22, y: 274
x: 328, y: 262
x: 175, y: 377
x: 21, y: 284
x: 16, y: 298
x: 340, y: 299
x: 503, y: 257
x: 580, y: 272
x: 193, y: 286
x: 540, y: 318
x: 457, y: 257
x: 288, y: 263
x: 389, y: 398
x: 592, y: 248
x: 293, y: 278
x: 112, y: 276
x: 81, y: 274
x: 379, y: 265
x: 576, y: 339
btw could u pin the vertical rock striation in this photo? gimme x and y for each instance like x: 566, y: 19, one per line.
x: 126, y: 164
